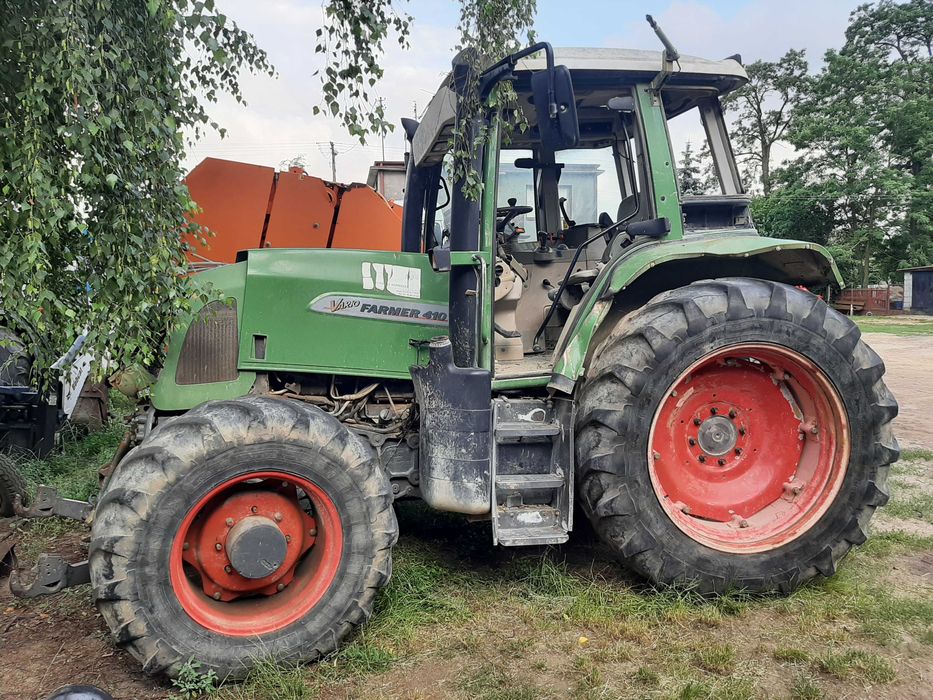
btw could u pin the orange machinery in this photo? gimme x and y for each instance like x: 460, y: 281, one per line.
x: 253, y: 206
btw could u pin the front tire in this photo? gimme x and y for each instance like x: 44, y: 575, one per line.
x: 242, y: 530
x: 734, y: 434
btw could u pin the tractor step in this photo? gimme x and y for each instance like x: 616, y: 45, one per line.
x: 532, y: 471
x: 524, y: 482
x: 523, y: 431
x: 531, y: 536
x: 530, y: 525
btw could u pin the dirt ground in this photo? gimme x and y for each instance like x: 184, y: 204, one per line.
x: 908, y: 362
x: 462, y: 620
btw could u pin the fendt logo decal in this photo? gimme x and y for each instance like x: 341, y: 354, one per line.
x: 395, y: 279
x: 368, y: 307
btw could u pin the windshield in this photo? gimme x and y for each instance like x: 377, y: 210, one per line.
x: 588, y: 185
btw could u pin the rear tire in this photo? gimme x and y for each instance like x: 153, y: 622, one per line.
x: 15, y: 362
x: 164, y: 493
x: 12, y: 484
x: 634, y: 441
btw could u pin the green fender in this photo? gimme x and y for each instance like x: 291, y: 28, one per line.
x: 797, y: 262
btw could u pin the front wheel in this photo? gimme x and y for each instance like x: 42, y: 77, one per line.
x: 243, y: 530
x: 734, y: 434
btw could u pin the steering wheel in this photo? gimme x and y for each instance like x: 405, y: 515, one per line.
x: 505, y: 214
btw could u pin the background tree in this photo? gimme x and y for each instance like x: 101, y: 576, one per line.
x: 864, y: 133
x: 893, y: 42
x: 764, y: 109
x: 353, y: 38
x: 862, y: 177
x: 95, y: 95
x: 695, y: 171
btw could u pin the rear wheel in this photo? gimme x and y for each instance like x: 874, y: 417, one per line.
x: 15, y: 362
x: 12, y: 484
x: 243, y: 530
x: 734, y: 434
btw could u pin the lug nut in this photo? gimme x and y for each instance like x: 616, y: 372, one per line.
x: 228, y: 568
x: 702, y: 458
x: 218, y: 546
x: 732, y: 413
x: 814, y: 430
x: 288, y: 538
x: 721, y: 462
x: 697, y: 421
x: 253, y: 509
x: 217, y: 595
x: 738, y: 450
x: 741, y: 431
x: 312, y: 531
x: 692, y: 442
x: 185, y: 546
x: 277, y: 517
x: 280, y: 587
x: 714, y: 410
x: 229, y: 522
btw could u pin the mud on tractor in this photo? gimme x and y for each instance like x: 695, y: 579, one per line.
x: 647, y: 355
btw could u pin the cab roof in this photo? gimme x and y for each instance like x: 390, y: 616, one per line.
x: 597, y: 75
x: 726, y: 74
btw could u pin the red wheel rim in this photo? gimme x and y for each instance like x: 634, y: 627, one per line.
x: 748, y: 448
x: 202, y: 570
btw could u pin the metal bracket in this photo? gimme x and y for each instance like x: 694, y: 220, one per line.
x: 52, y: 574
x: 48, y: 502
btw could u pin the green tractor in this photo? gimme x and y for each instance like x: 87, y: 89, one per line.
x: 581, y: 334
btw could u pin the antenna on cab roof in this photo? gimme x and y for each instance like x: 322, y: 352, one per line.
x: 669, y: 57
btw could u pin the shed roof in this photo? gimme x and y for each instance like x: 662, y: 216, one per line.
x: 921, y: 268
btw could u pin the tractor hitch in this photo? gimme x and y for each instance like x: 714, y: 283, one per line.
x: 52, y: 574
x: 48, y: 503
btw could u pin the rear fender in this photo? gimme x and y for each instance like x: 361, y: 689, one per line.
x: 651, y: 268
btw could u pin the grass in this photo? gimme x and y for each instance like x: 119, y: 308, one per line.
x: 862, y: 664
x: 916, y: 506
x: 805, y: 688
x: 267, y: 681
x: 897, y: 325
x: 717, y: 658
x: 916, y: 455
x: 790, y: 655
x: 73, y: 469
x: 40, y: 535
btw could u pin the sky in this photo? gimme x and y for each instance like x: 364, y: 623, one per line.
x: 277, y: 123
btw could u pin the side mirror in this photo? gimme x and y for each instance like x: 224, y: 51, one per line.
x: 653, y: 228
x: 552, y: 94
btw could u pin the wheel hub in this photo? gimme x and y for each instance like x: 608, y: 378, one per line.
x: 717, y: 436
x: 256, y: 553
x: 249, y: 541
x: 748, y: 448
x: 257, y: 547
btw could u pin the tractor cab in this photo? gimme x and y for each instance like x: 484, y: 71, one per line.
x: 566, y: 210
